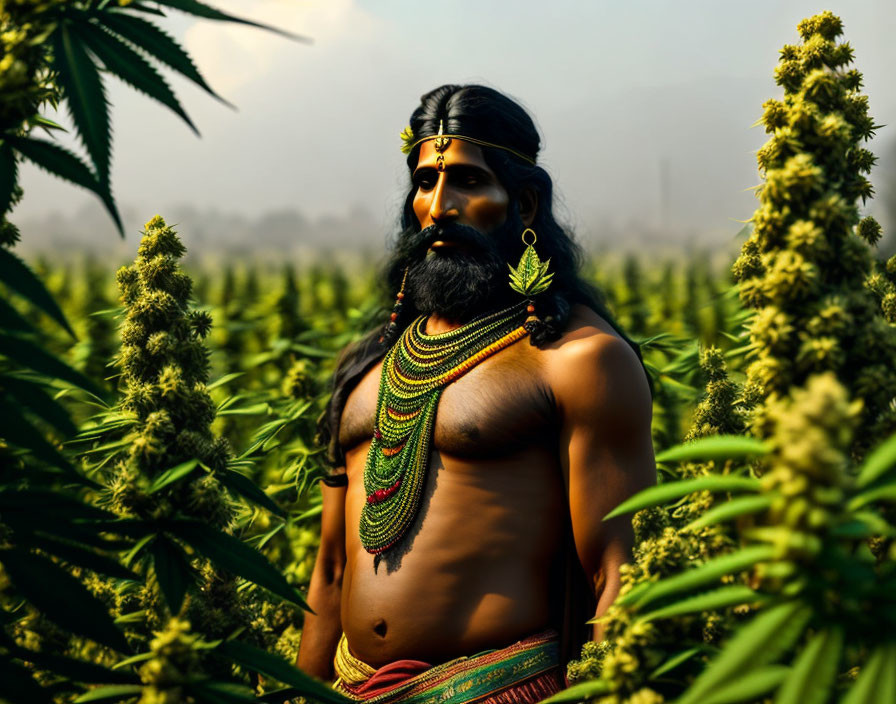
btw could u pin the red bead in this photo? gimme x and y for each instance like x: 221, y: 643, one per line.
x: 530, y: 309
x: 394, y: 316
x: 400, y: 295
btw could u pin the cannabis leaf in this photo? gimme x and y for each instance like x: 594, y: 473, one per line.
x: 531, y: 275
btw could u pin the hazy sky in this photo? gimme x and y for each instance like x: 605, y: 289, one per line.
x: 621, y: 91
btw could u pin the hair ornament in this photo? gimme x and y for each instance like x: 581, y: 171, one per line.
x: 407, y: 140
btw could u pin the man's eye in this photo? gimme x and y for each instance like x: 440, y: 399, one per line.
x: 469, y: 179
x: 426, y: 183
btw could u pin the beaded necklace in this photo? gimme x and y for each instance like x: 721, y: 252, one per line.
x: 415, y: 372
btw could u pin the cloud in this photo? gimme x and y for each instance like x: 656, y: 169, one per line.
x: 233, y: 55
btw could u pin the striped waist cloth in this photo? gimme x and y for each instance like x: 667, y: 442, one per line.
x: 522, y: 673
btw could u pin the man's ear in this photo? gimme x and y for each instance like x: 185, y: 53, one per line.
x: 528, y: 205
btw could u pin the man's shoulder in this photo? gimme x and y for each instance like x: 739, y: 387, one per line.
x: 590, y: 356
x: 589, y: 338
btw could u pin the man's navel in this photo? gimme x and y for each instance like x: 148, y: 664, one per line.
x: 380, y: 627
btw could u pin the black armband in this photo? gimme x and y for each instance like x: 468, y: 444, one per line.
x: 335, y: 480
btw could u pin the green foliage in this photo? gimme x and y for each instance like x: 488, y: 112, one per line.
x: 268, y: 417
x: 164, y: 367
x: 290, y: 323
x: 170, y: 480
x: 634, y: 303
x: 98, y: 334
x: 804, y: 267
x: 48, y: 529
x: 53, y: 538
x: 804, y: 554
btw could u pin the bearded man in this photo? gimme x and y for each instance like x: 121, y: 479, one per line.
x: 477, y: 440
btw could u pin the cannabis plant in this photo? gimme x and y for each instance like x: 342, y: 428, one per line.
x: 814, y: 565
x: 882, y: 284
x: 97, y: 346
x: 174, y: 483
x: 290, y: 323
x: 804, y: 267
x: 633, y: 307
x: 52, y: 537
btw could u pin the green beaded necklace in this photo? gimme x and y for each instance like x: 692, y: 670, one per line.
x: 415, y: 372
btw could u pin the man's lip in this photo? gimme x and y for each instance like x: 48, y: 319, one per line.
x: 444, y: 243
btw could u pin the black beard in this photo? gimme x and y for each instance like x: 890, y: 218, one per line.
x: 459, y: 283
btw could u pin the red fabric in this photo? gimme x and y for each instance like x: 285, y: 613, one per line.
x: 531, y: 691
x: 389, y: 676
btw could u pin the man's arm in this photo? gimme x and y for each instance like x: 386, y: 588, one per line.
x: 606, y: 451
x: 322, y: 629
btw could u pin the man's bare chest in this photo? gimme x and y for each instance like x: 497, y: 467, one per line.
x: 498, y: 407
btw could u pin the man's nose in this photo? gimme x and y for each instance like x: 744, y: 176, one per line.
x: 443, y: 205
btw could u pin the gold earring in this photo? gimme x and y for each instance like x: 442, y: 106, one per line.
x: 531, y: 275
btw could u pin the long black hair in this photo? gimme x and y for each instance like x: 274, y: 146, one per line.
x: 484, y: 114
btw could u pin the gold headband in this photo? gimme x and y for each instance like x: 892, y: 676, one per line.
x: 409, y: 143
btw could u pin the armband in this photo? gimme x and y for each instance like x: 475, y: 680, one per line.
x: 335, y: 480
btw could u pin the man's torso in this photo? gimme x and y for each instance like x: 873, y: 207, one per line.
x: 478, y: 566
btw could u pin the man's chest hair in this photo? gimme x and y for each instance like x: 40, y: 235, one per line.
x: 498, y: 407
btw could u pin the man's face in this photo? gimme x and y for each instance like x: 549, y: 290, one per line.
x: 466, y: 192
x: 457, y: 261
x: 458, y: 258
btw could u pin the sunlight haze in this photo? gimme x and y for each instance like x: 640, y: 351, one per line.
x: 645, y: 109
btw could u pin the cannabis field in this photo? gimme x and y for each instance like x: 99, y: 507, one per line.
x: 159, y: 454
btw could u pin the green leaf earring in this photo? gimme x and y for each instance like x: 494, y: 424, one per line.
x: 531, y: 275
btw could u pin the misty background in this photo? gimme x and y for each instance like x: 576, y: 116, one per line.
x: 645, y: 110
